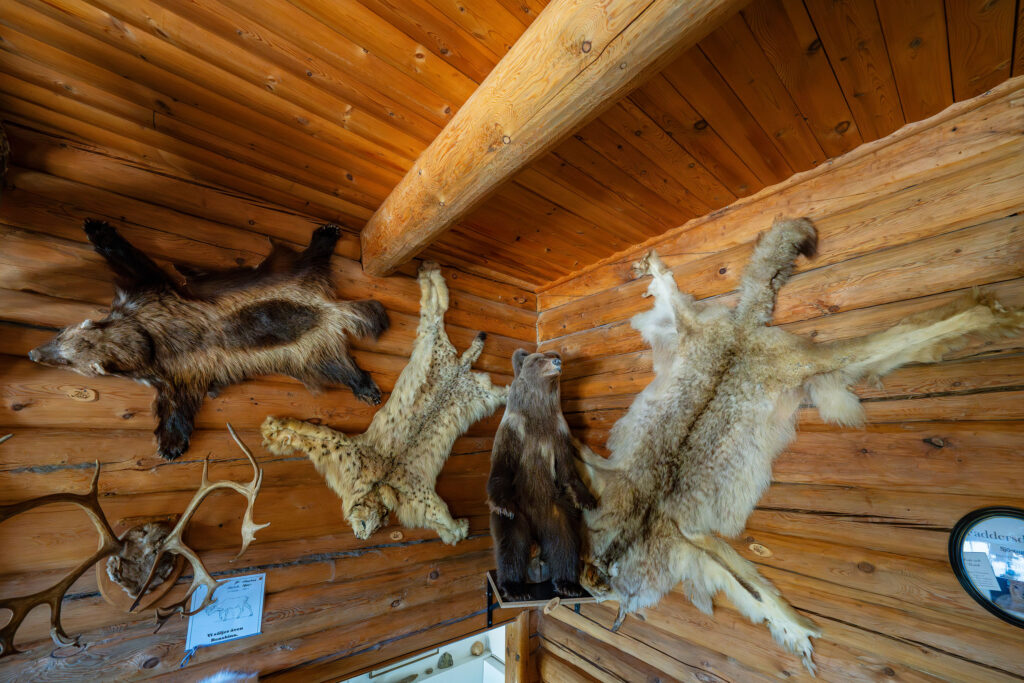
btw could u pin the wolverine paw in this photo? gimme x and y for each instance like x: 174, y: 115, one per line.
x: 370, y: 395
x: 99, y: 232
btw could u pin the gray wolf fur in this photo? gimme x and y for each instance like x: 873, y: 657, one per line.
x: 394, y: 464
x: 534, y: 490
x: 693, y: 454
x: 218, y: 328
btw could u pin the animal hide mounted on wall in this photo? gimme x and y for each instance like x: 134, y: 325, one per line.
x: 218, y: 329
x: 693, y: 454
x: 393, y: 465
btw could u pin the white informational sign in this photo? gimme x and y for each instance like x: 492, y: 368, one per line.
x: 237, y: 612
x: 979, y: 569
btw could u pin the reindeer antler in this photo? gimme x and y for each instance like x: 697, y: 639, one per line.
x: 21, y: 606
x: 173, y: 542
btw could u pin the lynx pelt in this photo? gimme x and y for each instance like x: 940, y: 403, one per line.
x: 693, y: 454
x: 393, y: 465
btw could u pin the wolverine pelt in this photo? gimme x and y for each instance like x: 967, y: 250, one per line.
x: 534, y: 490
x: 394, y: 464
x: 218, y: 328
x: 693, y: 454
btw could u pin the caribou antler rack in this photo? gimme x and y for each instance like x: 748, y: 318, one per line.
x: 110, y: 544
x: 174, y: 543
x: 52, y: 596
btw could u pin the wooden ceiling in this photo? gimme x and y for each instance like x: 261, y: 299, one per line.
x: 321, y: 105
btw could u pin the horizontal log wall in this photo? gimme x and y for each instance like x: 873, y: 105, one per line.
x: 857, y: 520
x: 335, y: 605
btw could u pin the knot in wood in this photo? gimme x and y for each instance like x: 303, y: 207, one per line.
x: 866, y: 567
x: 585, y: 47
x: 84, y: 394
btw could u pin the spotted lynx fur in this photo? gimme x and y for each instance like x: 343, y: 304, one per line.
x: 393, y: 465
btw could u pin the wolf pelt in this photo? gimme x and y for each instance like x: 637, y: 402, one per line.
x: 218, y: 328
x: 693, y: 454
x: 534, y: 490
x: 394, y: 464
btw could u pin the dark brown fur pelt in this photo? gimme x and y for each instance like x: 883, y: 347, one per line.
x: 534, y: 490
x: 218, y: 328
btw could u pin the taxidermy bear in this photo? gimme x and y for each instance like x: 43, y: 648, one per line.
x: 217, y: 329
x: 693, y: 454
x: 534, y: 490
x: 394, y: 464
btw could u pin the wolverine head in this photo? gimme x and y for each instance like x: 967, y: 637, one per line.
x: 106, y: 347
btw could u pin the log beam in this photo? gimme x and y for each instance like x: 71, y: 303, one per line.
x: 576, y: 59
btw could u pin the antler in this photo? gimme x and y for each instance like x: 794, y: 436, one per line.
x: 173, y: 542
x: 21, y: 606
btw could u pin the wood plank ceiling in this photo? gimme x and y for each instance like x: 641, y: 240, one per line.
x: 322, y: 106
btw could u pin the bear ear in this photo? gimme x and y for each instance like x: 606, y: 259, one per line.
x: 517, y: 361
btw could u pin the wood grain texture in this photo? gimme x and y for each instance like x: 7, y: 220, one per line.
x: 854, y: 528
x: 573, y: 62
x: 852, y: 37
x: 980, y: 44
x: 915, y: 37
x: 320, y: 620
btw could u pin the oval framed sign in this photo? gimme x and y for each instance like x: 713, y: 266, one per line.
x: 986, y: 550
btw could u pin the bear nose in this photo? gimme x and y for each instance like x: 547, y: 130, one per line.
x: 557, y: 362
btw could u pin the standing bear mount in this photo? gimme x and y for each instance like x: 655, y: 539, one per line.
x: 218, y: 328
x: 534, y: 490
x: 693, y: 454
x: 394, y: 464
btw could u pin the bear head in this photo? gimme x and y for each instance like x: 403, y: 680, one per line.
x: 535, y: 383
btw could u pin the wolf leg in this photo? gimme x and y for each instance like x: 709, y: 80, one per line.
x: 722, y: 569
x: 921, y: 338
x: 770, y: 267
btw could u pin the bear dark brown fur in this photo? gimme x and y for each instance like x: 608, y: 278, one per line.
x: 534, y: 491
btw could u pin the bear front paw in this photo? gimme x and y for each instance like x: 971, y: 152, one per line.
x: 502, y: 510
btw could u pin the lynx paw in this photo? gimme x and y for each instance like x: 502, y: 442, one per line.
x: 452, y: 535
x: 276, y: 437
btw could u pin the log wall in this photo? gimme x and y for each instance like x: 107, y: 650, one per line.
x: 855, y: 525
x: 335, y: 605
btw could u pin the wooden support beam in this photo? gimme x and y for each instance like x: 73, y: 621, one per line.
x: 575, y: 60
x: 517, y: 649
